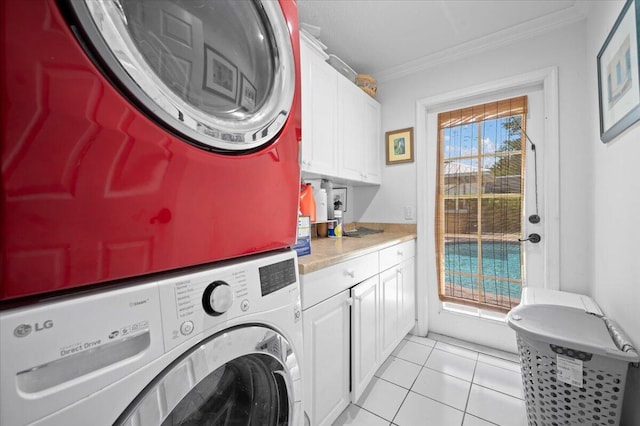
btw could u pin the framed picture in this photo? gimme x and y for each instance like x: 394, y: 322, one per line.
x: 340, y: 194
x: 618, y: 76
x: 399, y: 146
x: 247, y: 94
x: 220, y: 75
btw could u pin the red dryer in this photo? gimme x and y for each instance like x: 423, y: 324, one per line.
x: 144, y: 135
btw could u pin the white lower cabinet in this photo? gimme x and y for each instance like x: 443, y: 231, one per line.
x: 388, y: 321
x: 326, y: 359
x: 407, y: 296
x: 397, y: 301
x: 354, y: 314
x: 364, y: 335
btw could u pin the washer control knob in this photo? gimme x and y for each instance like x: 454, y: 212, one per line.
x: 186, y: 328
x: 217, y: 298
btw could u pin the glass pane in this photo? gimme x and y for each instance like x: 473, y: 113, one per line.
x: 501, y: 293
x: 461, y: 177
x: 502, y: 217
x: 501, y: 259
x: 461, y: 268
x: 215, y: 56
x: 461, y: 286
x: 503, y: 176
x: 461, y: 141
x: 244, y: 391
x: 461, y: 216
x: 502, y: 272
x: 461, y: 256
x: 502, y: 134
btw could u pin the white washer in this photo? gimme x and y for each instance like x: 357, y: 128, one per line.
x: 222, y: 343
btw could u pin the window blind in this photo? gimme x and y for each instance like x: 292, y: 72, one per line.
x: 481, y: 153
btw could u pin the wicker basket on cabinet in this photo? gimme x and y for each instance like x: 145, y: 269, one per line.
x: 368, y: 84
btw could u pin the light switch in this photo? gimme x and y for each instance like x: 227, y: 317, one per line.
x: 408, y: 212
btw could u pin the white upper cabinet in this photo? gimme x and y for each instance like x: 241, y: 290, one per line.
x: 373, y: 143
x: 359, y: 141
x: 340, y: 123
x: 319, y: 99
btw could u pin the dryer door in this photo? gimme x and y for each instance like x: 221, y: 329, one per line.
x: 243, y: 376
x: 219, y: 73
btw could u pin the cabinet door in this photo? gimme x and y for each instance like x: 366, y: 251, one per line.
x: 326, y: 359
x: 407, y: 295
x: 364, y: 335
x: 388, y: 312
x: 373, y: 144
x: 360, y: 145
x: 351, y: 130
x: 319, y: 153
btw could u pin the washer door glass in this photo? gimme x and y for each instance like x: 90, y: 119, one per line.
x: 219, y: 72
x: 243, y: 376
x: 246, y: 391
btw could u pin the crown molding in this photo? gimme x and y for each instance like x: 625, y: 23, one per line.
x: 520, y: 32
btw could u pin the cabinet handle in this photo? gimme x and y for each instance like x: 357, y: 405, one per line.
x: 400, y: 253
x: 351, y: 273
x: 350, y: 301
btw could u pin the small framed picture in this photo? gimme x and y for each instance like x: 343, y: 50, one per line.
x: 618, y: 74
x: 220, y: 75
x: 399, y: 146
x: 247, y: 94
x: 340, y: 195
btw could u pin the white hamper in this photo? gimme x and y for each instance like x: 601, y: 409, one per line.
x: 574, y: 361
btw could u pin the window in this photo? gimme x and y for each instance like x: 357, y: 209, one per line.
x: 479, y: 205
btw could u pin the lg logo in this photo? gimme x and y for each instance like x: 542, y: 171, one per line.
x: 24, y: 330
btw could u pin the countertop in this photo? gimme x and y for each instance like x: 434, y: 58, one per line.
x: 329, y: 251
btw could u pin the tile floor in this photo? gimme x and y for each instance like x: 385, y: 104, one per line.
x: 440, y: 381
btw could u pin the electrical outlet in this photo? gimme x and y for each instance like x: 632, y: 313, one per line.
x: 408, y: 212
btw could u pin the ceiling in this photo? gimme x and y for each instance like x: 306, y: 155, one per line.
x: 388, y: 38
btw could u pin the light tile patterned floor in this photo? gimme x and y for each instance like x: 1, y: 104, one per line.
x: 442, y: 382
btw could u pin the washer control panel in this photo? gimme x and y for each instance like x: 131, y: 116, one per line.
x: 208, y: 298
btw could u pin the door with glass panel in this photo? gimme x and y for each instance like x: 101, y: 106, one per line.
x: 483, y: 185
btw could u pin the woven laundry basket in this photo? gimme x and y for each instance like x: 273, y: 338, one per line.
x: 574, y: 365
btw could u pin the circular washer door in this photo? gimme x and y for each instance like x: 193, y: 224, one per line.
x: 220, y: 73
x: 242, y: 376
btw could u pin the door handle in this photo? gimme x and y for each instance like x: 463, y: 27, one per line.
x: 534, y: 238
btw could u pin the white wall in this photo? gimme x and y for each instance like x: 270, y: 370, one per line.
x: 616, y: 206
x: 564, y: 48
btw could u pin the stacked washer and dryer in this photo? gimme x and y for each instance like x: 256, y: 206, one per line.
x: 150, y: 184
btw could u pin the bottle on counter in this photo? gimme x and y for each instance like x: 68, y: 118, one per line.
x: 328, y: 187
x: 338, y: 227
x: 331, y: 228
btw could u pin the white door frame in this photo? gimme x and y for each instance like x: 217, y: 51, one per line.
x: 426, y: 270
